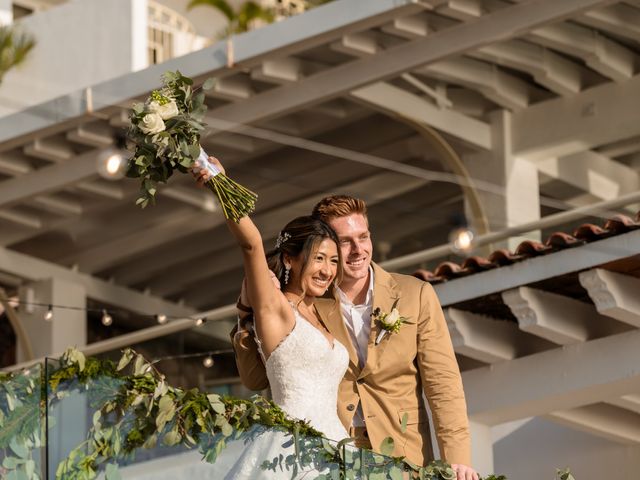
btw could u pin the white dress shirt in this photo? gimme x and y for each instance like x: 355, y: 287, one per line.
x: 357, y: 319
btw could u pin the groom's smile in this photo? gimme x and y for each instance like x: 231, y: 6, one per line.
x: 355, y: 244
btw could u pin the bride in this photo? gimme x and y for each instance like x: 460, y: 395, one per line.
x: 304, y: 363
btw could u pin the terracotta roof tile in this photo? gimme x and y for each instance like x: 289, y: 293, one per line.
x: 590, y: 232
x: 560, y: 240
x: 532, y: 248
x: 585, y: 233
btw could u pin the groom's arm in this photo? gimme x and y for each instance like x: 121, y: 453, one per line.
x: 442, y: 381
x: 250, y: 367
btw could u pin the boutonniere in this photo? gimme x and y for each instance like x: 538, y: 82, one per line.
x: 389, y: 322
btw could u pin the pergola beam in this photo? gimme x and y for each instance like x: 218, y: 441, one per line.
x: 557, y: 379
x: 31, y: 268
x: 592, y: 118
x: 497, y: 26
x: 389, y: 98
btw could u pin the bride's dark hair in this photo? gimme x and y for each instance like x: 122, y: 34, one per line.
x: 301, y: 236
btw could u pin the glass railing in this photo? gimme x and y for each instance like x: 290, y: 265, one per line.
x: 58, y: 423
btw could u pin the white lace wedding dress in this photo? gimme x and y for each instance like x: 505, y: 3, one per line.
x: 304, y: 372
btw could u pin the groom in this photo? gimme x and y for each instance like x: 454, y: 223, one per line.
x: 381, y: 392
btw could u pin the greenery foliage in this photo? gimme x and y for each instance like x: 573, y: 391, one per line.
x: 135, y: 408
x: 14, y: 47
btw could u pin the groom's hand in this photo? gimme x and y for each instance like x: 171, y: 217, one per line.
x: 463, y: 472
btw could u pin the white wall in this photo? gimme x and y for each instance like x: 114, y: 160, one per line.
x: 79, y: 43
x: 534, y: 449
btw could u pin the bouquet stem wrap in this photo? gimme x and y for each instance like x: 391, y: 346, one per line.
x: 236, y: 201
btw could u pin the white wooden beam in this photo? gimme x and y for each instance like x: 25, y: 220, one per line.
x: 461, y: 9
x: 389, y: 98
x: 549, y: 69
x: 607, y: 57
x: 559, y: 319
x: 618, y: 19
x: 280, y: 70
x: 603, y: 420
x: 31, y: 268
x: 48, y: 179
x: 22, y: 218
x: 487, y: 339
x: 49, y: 149
x: 233, y: 88
x: 360, y: 44
x: 596, y: 116
x: 557, y: 379
x: 92, y: 137
x: 409, y: 27
x: 630, y: 402
x: 615, y: 295
x: 500, y: 87
x: 497, y: 26
x: 117, y: 251
x: 593, y: 173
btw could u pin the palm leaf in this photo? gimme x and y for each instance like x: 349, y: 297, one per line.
x: 220, y: 5
x: 14, y: 47
x: 250, y: 11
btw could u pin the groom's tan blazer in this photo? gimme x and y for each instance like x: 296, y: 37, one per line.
x: 398, y: 370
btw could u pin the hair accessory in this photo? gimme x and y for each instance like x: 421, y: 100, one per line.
x: 282, y: 239
x: 286, y: 273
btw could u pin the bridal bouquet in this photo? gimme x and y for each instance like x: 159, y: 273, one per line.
x: 165, y: 131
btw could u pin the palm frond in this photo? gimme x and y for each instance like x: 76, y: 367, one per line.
x: 220, y: 5
x: 14, y: 47
x: 250, y: 11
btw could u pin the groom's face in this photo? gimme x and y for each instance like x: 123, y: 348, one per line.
x: 355, y: 244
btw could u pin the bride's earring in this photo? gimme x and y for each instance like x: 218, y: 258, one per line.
x: 286, y: 273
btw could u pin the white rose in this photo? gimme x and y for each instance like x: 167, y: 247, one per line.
x: 392, y: 318
x: 152, y: 123
x: 166, y: 111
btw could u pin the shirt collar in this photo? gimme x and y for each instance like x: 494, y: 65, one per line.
x: 368, y: 299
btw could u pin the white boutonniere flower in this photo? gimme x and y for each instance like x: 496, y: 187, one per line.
x: 389, y: 322
x: 165, y: 110
x: 152, y: 123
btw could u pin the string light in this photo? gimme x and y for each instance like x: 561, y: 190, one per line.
x: 162, y: 318
x: 208, y: 362
x: 106, y: 318
x: 49, y: 315
x: 200, y: 321
x: 462, y: 240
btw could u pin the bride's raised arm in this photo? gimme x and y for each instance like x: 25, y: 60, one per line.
x: 274, y: 319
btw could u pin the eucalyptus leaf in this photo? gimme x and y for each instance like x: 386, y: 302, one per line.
x: 403, y: 424
x: 209, y: 83
x: 387, y: 446
x: 112, y: 472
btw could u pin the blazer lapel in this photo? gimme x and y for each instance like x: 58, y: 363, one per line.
x: 385, y: 293
x: 331, y: 315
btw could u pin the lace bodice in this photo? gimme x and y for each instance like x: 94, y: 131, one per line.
x: 304, y: 372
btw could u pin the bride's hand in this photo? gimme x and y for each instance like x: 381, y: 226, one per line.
x: 202, y: 174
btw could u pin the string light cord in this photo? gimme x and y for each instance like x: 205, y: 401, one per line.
x: 192, y: 355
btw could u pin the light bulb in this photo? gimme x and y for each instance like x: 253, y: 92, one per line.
x: 49, y: 315
x: 111, y: 164
x: 207, y: 362
x: 106, y: 318
x: 462, y: 240
x: 162, y: 318
x: 200, y: 321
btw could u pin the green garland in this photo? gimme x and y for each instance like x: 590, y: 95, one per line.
x: 139, y: 409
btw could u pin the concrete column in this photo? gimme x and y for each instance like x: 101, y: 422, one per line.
x: 515, y: 198
x: 50, y: 338
x: 481, y: 448
x: 6, y: 12
x: 67, y: 327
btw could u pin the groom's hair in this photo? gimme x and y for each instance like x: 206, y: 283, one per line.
x: 335, y: 206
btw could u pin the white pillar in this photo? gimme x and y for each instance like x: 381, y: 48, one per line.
x: 516, y: 196
x: 6, y: 12
x: 68, y: 327
x: 481, y: 448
